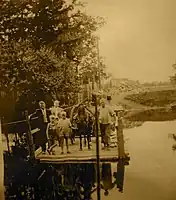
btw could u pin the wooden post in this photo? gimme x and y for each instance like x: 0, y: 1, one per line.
x: 97, y: 150
x: 120, y: 139
x: 29, y: 137
x: 1, y: 166
x: 98, y: 60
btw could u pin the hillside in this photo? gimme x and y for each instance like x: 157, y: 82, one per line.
x: 116, y: 86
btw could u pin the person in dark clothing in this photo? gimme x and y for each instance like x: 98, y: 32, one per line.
x: 89, y: 129
x: 81, y: 121
x: 43, y: 119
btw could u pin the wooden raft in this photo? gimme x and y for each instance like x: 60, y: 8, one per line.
x: 76, y: 156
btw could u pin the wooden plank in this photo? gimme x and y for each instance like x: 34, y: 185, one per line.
x: 109, y: 159
x: 35, y: 130
x: 76, y: 156
x: 77, y: 161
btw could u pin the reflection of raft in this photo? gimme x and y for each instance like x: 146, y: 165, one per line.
x: 173, y: 107
x: 107, y: 183
x: 174, y: 147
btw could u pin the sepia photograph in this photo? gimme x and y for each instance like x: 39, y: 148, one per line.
x: 87, y: 99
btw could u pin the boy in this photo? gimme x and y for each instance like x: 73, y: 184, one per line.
x: 63, y: 131
x: 51, y: 133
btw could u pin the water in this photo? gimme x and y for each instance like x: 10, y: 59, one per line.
x: 152, y: 170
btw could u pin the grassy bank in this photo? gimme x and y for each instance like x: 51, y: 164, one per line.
x: 154, y: 98
x: 160, y: 114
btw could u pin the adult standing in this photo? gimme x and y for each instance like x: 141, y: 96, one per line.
x: 43, y: 119
x: 106, y: 117
x: 109, y: 103
x: 56, y: 110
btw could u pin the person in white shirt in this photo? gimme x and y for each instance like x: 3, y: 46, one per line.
x: 106, y: 117
x: 56, y: 110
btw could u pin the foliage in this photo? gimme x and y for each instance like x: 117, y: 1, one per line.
x: 33, y: 73
x: 42, y: 44
x: 49, y: 22
x: 89, y: 66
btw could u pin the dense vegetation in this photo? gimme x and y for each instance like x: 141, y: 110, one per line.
x: 46, y: 48
x: 154, y: 98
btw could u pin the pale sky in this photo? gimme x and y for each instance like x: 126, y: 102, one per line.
x: 139, y: 38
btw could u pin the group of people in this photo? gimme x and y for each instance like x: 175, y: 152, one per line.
x: 55, y: 127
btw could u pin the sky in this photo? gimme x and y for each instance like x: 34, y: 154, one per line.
x: 138, y: 40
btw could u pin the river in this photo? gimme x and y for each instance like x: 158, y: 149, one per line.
x: 152, y: 170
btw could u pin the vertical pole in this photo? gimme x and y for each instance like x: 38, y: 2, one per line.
x: 1, y: 166
x: 98, y: 60
x: 88, y: 89
x: 97, y: 151
x: 29, y: 137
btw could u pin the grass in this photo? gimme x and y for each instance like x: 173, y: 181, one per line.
x: 160, y: 114
x: 154, y: 98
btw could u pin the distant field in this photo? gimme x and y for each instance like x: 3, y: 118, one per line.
x: 154, y: 98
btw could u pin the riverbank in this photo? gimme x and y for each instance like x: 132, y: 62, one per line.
x: 147, y: 106
x: 160, y: 114
x: 153, y: 98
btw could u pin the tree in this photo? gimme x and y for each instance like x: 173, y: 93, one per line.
x: 173, y: 78
x: 42, y: 44
x: 34, y: 74
x: 49, y: 22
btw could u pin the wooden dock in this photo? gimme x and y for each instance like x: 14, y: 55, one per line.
x: 77, y: 156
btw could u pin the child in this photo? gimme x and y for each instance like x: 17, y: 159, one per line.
x: 51, y: 133
x: 63, y: 130
x: 57, y: 121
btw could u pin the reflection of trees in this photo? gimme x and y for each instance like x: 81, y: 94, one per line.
x: 31, y: 181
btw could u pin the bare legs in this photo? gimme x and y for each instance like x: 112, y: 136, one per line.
x: 62, y: 144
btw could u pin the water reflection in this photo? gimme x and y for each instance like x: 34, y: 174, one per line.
x: 152, y: 170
